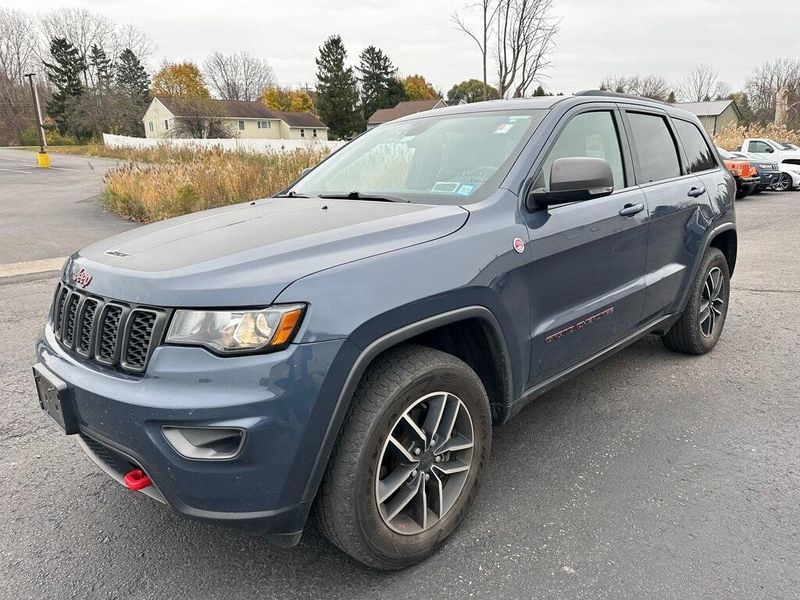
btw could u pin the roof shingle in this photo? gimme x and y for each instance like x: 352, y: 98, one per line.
x: 712, y: 108
x: 384, y: 115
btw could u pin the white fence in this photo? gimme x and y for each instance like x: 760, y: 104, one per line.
x: 123, y: 141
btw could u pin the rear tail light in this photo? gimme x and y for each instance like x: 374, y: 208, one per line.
x: 734, y: 166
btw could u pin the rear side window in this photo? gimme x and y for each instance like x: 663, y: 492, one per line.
x: 697, y: 151
x: 591, y: 134
x: 658, y: 157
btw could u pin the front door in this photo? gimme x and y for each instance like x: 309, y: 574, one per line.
x: 588, y: 258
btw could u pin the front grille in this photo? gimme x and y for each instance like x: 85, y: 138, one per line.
x: 113, y: 334
x: 140, y: 332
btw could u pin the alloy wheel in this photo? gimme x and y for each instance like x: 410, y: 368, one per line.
x: 784, y: 182
x: 424, y: 463
x: 712, y: 301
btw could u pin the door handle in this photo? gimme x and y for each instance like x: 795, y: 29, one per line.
x: 695, y: 192
x: 631, y: 209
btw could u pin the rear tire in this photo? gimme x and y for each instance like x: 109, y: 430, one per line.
x: 699, y: 327
x: 434, y: 472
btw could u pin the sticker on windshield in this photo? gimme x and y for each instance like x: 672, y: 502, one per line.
x: 445, y: 187
x: 465, y: 189
x: 504, y: 128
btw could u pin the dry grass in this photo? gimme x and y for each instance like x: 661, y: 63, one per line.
x: 731, y: 137
x: 166, y: 182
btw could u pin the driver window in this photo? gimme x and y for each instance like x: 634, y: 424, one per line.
x: 591, y: 134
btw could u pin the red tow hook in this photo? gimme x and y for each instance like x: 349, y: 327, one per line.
x: 136, y: 480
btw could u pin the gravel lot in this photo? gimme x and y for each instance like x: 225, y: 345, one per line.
x: 652, y: 476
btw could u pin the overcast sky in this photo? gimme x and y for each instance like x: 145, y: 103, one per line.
x: 597, y: 37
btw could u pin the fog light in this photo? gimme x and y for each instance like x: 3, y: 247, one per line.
x: 205, y: 443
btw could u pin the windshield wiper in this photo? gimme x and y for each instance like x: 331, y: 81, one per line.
x: 359, y: 196
x: 291, y: 194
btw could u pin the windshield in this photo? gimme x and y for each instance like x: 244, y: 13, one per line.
x: 787, y: 146
x: 447, y: 159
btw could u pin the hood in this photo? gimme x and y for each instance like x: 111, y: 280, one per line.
x: 245, y: 255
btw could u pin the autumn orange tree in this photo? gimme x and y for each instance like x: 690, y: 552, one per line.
x: 180, y: 80
x: 284, y: 99
x: 418, y: 88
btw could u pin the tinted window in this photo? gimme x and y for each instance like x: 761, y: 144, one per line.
x: 658, y: 157
x: 592, y: 135
x: 694, y: 144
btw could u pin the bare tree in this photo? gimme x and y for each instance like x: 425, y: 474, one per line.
x: 131, y: 37
x: 18, y: 39
x: 525, y: 36
x: 766, y: 80
x: 647, y: 86
x: 85, y: 29
x: 702, y: 83
x: 200, y: 118
x: 488, y: 12
x: 18, y: 56
x: 239, y: 76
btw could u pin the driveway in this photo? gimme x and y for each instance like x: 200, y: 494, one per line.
x: 654, y: 475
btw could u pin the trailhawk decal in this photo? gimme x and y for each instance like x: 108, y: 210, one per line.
x: 579, y: 325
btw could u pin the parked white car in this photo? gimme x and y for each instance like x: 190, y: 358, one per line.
x: 787, y: 157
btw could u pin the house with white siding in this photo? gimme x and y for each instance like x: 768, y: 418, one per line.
x: 245, y: 120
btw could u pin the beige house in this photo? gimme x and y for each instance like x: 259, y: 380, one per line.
x: 714, y: 115
x: 403, y: 109
x: 245, y: 120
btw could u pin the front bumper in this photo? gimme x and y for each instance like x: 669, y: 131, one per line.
x: 276, y: 399
x: 767, y: 179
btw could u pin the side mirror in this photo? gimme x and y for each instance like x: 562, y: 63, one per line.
x: 574, y: 179
x: 769, y: 149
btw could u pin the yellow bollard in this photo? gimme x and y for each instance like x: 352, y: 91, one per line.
x: 43, y: 160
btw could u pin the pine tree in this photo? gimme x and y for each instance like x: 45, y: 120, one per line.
x: 131, y: 76
x: 337, y: 92
x: 671, y: 98
x: 396, y: 93
x: 65, y: 75
x: 539, y: 91
x: 103, y: 69
x: 377, y: 80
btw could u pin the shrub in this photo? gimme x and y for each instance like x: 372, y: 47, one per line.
x: 30, y: 137
x: 161, y: 183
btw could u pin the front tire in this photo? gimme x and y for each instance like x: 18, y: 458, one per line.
x: 699, y: 327
x: 407, y: 463
x: 784, y: 183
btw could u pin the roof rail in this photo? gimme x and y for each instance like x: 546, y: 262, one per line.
x: 616, y: 95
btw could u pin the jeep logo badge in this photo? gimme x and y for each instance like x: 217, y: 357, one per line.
x: 82, y: 278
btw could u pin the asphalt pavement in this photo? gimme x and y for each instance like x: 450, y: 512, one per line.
x: 654, y: 475
x: 47, y: 213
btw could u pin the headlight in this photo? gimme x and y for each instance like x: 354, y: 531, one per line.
x: 764, y: 166
x: 236, y: 331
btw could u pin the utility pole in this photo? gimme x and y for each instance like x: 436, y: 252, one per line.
x: 42, y: 160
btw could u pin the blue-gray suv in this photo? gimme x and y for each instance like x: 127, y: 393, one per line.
x: 345, y: 348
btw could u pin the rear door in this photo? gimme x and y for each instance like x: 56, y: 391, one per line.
x: 678, y: 202
x: 587, y: 266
